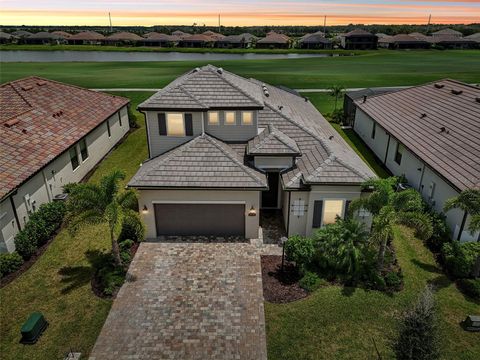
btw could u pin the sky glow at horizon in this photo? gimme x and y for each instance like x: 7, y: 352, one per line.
x: 235, y: 12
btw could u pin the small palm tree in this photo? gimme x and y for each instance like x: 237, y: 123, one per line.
x: 97, y: 204
x: 336, y: 91
x: 390, y: 208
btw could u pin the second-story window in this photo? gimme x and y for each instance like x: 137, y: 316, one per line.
x: 213, y: 118
x: 230, y: 118
x: 74, y: 158
x: 399, y: 154
x: 84, y: 149
x: 247, y: 118
x: 175, y: 125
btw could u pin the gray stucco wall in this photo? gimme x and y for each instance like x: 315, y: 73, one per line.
x: 412, y: 168
x: 273, y: 162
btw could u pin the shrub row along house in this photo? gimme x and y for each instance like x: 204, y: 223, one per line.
x: 431, y: 135
x: 222, y: 148
x: 51, y: 134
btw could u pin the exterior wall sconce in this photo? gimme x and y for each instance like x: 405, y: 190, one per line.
x: 145, y: 210
x: 252, y: 211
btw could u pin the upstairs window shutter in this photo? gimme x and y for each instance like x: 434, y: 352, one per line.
x: 162, y: 124
x: 317, y: 213
x: 188, y: 125
x: 347, y: 205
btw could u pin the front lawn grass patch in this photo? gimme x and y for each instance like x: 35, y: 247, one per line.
x: 58, y: 284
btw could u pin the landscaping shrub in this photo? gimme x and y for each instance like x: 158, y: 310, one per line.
x: 126, y: 257
x: 470, y: 287
x: 39, y: 228
x: 300, y: 250
x: 132, y: 119
x: 311, y: 281
x: 418, y: 335
x: 393, y: 280
x: 9, y: 263
x: 460, y: 258
x: 126, y: 245
x: 132, y: 228
x: 440, y: 233
x: 110, y: 278
x: 337, y: 116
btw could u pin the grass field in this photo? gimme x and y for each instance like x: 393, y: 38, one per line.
x: 341, y: 323
x: 58, y: 284
x: 379, y: 68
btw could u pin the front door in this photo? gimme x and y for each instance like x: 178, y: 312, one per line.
x: 270, y: 197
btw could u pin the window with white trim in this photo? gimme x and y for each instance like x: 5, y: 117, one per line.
x: 230, y: 118
x: 74, y: 158
x: 399, y: 153
x: 213, y: 118
x: 83, y: 149
x: 332, y: 209
x: 175, y: 124
x: 247, y: 118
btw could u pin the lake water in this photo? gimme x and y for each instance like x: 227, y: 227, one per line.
x: 105, y: 56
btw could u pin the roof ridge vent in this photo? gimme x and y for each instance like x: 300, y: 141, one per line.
x: 439, y: 86
x: 197, y: 69
x: 456, y: 91
x: 26, y: 88
x: 41, y: 83
x: 220, y: 71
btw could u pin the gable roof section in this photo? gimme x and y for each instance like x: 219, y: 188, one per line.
x: 359, y: 32
x: 272, y: 141
x: 41, y: 120
x: 206, y: 88
x: 439, y: 122
x: 203, y: 162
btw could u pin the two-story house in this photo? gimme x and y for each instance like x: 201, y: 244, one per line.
x: 222, y: 148
x: 431, y: 135
x: 359, y: 39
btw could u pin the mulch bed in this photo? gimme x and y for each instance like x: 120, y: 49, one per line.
x: 280, y: 287
x: 97, y: 288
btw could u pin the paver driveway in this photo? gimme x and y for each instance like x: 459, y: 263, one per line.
x: 188, y: 301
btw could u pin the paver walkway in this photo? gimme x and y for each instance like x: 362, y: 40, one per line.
x: 188, y: 301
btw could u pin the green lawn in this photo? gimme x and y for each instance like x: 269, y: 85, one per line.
x: 58, y: 284
x: 377, y: 68
x: 341, y: 323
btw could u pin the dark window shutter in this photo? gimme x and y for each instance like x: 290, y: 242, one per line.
x: 317, y: 213
x: 347, y: 205
x: 188, y: 125
x: 162, y: 124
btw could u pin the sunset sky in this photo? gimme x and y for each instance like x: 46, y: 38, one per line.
x: 236, y: 12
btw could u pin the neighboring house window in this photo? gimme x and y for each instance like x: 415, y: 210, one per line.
x: 332, y: 209
x: 399, y: 153
x: 83, y: 149
x: 74, y: 158
x: 317, y: 213
x: 247, y: 118
x: 374, y: 129
x: 119, y: 119
x: 230, y: 118
x: 109, y: 131
x: 432, y: 190
x: 213, y: 118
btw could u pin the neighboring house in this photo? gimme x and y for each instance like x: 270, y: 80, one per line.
x: 162, y: 40
x: 314, y: 41
x: 274, y: 40
x: 474, y: 37
x: 22, y: 33
x: 447, y: 32
x: 86, y: 38
x: 181, y: 34
x: 452, y: 42
x: 431, y: 135
x: 51, y: 134
x: 197, y: 41
x: 245, y: 40
x: 123, y: 38
x: 350, y: 106
x: 359, y: 39
x: 62, y: 34
x: 6, y: 38
x: 222, y: 148
x: 403, y: 41
x: 215, y: 36
x: 44, y: 37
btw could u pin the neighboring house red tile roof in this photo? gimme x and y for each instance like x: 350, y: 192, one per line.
x: 40, y: 119
x: 87, y: 36
x: 439, y: 122
x: 124, y: 36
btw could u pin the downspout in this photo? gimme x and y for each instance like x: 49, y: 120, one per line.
x: 46, y: 186
x: 148, y: 135
x: 203, y: 123
x: 421, y: 178
x: 12, y: 203
x: 386, y: 152
x: 288, y: 213
x: 464, y: 220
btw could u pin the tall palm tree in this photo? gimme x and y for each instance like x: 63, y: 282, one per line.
x: 390, y: 208
x: 336, y: 91
x: 102, y: 203
x: 468, y: 201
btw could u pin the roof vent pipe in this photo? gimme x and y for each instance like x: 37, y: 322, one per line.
x: 456, y: 92
x: 477, y: 99
x: 220, y: 70
x: 443, y: 129
x: 423, y: 115
x: 364, y: 98
x: 439, y: 86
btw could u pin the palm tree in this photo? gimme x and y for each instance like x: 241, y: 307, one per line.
x: 390, y: 208
x: 469, y: 202
x: 336, y: 91
x: 97, y: 204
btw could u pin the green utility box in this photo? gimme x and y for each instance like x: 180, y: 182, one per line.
x: 33, y: 328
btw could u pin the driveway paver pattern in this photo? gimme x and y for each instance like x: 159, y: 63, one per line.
x: 188, y: 301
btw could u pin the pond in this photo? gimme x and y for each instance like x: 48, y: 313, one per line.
x: 106, y: 56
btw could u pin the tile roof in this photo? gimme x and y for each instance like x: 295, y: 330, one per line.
x: 203, y: 162
x: 439, y: 122
x: 236, y: 39
x: 314, y: 38
x: 358, y: 32
x: 450, y: 39
x: 44, y: 35
x: 40, y: 119
x: 87, y: 35
x: 447, y: 32
x: 274, y: 38
x: 272, y: 141
x: 124, y: 35
x: 206, y: 88
x: 475, y: 37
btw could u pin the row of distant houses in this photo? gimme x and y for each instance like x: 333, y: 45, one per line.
x: 357, y: 39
